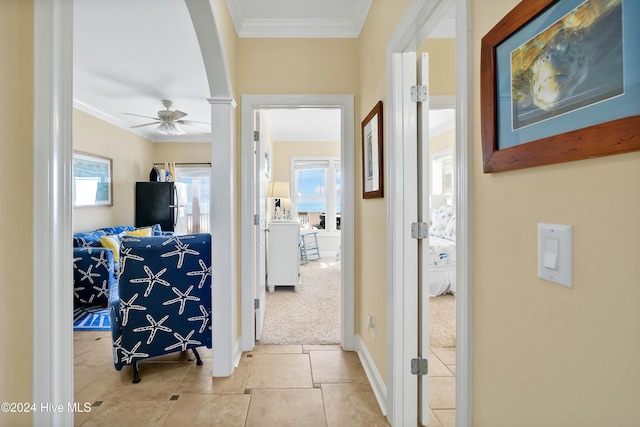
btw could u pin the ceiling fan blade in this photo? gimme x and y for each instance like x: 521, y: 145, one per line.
x: 177, y: 115
x: 192, y: 122
x: 146, y: 124
x: 138, y: 115
x: 180, y: 130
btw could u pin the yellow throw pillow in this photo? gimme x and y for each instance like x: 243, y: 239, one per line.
x: 112, y: 243
x: 140, y: 232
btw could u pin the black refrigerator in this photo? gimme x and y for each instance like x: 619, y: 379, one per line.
x: 163, y: 203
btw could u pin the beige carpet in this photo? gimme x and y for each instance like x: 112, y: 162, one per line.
x: 442, y: 315
x: 310, y: 314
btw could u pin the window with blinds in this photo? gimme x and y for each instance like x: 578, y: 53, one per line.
x: 442, y: 173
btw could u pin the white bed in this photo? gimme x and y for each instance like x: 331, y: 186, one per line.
x: 442, y: 252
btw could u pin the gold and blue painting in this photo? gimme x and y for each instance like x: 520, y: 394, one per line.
x: 553, y: 68
x: 575, y: 62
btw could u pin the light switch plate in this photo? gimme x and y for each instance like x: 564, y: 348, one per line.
x: 555, y: 248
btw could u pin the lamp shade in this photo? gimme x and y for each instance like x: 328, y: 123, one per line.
x: 278, y: 190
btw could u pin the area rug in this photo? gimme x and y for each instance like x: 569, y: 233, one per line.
x: 91, y: 318
x: 308, y: 314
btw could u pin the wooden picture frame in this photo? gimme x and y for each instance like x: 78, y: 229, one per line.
x: 525, y: 122
x: 92, y: 180
x: 372, y: 160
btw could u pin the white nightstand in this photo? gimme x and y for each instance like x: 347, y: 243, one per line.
x: 283, y: 251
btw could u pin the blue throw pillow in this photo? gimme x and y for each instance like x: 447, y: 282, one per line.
x: 88, y: 240
x: 119, y: 229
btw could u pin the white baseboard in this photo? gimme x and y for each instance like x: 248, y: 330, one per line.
x: 237, y: 353
x: 379, y: 388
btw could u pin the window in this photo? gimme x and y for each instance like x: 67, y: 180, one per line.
x: 442, y: 173
x: 198, y: 180
x: 316, y: 191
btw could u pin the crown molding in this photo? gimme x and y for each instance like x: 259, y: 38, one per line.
x: 298, y: 28
x: 347, y: 27
x: 148, y: 135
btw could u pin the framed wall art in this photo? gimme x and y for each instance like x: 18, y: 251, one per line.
x: 92, y: 184
x: 372, y: 163
x: 560, y: 81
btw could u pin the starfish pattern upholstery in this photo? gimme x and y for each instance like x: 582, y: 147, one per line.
x: 162, y: 300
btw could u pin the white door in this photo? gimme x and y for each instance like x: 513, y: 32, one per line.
x: 414, y: 400
x: 260, y: 212
x: 423, y: 244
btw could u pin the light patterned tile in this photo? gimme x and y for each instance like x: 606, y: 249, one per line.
x: 198, y: 380
x: 447, y: 417
x: 442, y: 392
x: 326, y: 347
x: 280, y: 371
x: 93, y: 352
x: 437, y: 368
x: 91, y: 335
x: 433, y: 420
x: 213, y: 410
x: 159, y: 381
x: 129, y: 413
x: 351, y: 405
x: 446, y: 355
x: 90, y: 382
x: 270, y: 348
x: 336, y: 367
x: 286, y: 408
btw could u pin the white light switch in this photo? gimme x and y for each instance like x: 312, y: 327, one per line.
x: 555, y: 253
x: 551, y: 253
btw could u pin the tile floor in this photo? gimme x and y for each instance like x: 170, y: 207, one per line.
x: 273, y: 386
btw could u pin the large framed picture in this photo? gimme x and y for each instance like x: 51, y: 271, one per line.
x: 560, y: 81
x: 372, y: 164
x: 92, y: 185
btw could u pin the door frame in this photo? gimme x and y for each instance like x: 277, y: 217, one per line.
x: 52, y: 353
x: 419, y: 20
x: 250, y: 103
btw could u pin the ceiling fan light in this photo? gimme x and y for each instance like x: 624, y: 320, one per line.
x: 170, y: 129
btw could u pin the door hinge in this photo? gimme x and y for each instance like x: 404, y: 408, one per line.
x: 419, y: 230
x: 419, y: 93
x: 256, y: 303
x: 256, y: 135
x: 256, y: 220
x: 419, y: 366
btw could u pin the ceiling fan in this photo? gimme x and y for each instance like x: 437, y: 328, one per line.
x: 168, y: 121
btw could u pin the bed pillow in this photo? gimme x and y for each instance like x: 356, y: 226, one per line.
x: 440, y: 221
x: 450, y: 231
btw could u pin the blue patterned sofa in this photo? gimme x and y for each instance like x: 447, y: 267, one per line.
x: 95, y: 263
x: 162, y: 301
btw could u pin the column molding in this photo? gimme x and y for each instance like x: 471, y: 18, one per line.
x: 223, y: 251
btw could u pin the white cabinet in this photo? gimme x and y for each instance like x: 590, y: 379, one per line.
x: 283, y: 251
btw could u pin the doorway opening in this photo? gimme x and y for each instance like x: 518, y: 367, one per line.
x: 327, y: 247
x: 302, y: 149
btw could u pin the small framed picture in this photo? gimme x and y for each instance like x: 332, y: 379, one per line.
x: 372, y: 163
x: 92, y: 185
